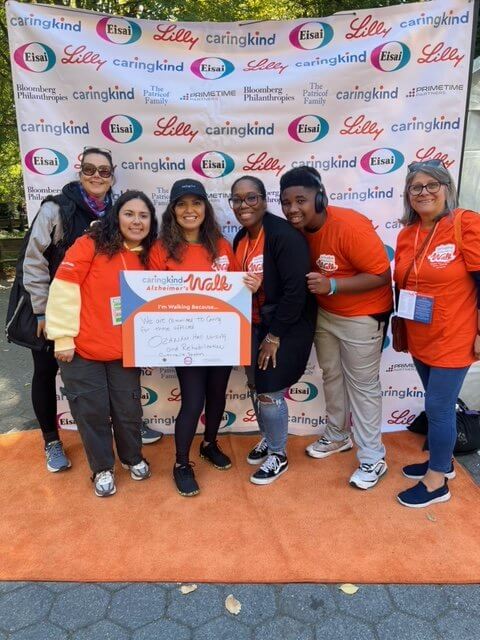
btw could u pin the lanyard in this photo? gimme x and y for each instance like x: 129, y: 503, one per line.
x: 427, y: 242
x: 249, y: 252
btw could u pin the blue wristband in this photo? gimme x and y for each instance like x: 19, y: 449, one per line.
x: 40, y: 316
x: 333, y: 287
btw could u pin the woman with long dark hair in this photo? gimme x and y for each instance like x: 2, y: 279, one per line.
x: 84, y: 320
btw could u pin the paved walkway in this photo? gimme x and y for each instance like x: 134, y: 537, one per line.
x: 58, y: 611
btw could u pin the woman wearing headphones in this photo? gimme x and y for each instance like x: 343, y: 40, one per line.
x: 352, y: 282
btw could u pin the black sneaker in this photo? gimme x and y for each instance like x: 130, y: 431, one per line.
x: 213, y: 454
x: 271, y: 469
x: 259, y: 453
x: 185, y: 480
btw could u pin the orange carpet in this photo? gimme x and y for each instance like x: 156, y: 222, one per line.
x: 309, y: 526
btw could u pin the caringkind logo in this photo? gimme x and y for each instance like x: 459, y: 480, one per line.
x: 382, y: 160
x: 57, y: 129
x: 242, y: 130
x: 121, y: 128
x: 311, y: 35
x: 148, y: 396
x: 227, y: 420
x: 154, y: 166
x: 308, y: 128
x: 327, y: 164
x: 390, y: 56
x: 241, y: 40
x: 437, y: 123
x: 302, y: 392
x: 35, y: 56
x: 59, y: 24
x: 440, y: 20
x: 45, y: 161
x: 107, y: 94
x: 369, y: 193
x: 118, y: 30
x: 213, y: 164
x: 211, y: 68
x: 367, y: 95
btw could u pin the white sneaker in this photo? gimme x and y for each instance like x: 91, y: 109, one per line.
x: 367, y: 475
x: 140, y: 471
x: 104, y: 482
x: 322, y: 448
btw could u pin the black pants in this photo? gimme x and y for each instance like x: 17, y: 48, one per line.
x: 96, y: 392
x: 44, y: 394
x: 199, y: 386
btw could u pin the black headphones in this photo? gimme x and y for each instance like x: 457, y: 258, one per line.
x: 321, y: 199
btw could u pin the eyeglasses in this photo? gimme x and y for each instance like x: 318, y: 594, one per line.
x: 250, y: 200
x: 88, y: 169
x: 431, y: 187
x: 417, y: 166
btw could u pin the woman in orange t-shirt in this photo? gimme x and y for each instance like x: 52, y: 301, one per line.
x: 437, y: 275
x: 191, y: 240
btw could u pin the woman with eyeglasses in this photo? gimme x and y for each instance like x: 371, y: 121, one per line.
x: 60, y: 220
x: 275, y: 257
x: 437, y: 277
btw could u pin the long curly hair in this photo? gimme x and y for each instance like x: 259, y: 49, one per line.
x: 173, y: 239
x: 106, y: 232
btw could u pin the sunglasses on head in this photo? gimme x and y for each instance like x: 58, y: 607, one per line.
x: 417, y: 166
x: 88, y: 169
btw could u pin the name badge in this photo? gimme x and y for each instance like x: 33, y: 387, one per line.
x: 415, y: 306
x: 116, y: 310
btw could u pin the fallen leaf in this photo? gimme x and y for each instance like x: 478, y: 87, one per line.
x: 349, y: 589
x: 188, y: 588
x: 232, y: 605
x: 431, y: 517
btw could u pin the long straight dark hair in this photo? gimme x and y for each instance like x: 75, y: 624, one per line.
x: 106, y: 232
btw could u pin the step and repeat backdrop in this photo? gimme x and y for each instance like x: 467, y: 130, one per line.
x: 357, y: 95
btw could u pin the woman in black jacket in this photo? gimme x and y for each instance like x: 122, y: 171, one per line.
x: 283, y: 317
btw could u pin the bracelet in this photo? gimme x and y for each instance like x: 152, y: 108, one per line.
x: 333, y: 287
x: 272, y: 339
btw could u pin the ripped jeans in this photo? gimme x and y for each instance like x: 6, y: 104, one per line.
x: 270, y: 407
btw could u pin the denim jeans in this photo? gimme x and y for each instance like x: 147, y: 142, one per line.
x: 272, y: 414
x: 442, y: 386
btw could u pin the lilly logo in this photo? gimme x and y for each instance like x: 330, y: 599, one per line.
x: 213, y: 164
x: 302, y: 392
x: 211, y: 68
x: 45, y: 161
x: 311, y: 35
x: 118, y: 30
x: 390, y: 56
x: 308, y: 128
x: 381, y: 161
x: 35, y: 56
x: 227, y: 420
x: 148, y: 396
x: 121, y: 128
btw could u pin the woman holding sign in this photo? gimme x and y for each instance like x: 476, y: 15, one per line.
x: 83, y: 317
x: 276, y: 257
x: 191, y: 240
x: 437, y: 274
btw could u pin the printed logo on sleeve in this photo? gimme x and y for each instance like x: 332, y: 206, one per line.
x: 326, y: 263
x: 221, y: 263
x: 442, y: 255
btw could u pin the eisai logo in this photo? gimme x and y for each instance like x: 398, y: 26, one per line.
x: 35, y: 56
x: 311, y: 35
x: 390, y: 56
x: 65, y: 420
x: 118, y: 30
x: 302, y: 392
x: 148, y: 396
x: 211, y: 68
x: 121, y: 128
x: 213, y: 164
x: 382, y: 160
x: 228, y: 419
x: 308, y: 128
x: 45, y: 161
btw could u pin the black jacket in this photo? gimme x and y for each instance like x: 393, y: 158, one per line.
x: 289, y: 310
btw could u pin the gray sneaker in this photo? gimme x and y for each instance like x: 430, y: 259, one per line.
x: 140, y: 471
x: 56, y: 458
x: 367, y: 475
x: 104, y: 483
x: 323, y: 447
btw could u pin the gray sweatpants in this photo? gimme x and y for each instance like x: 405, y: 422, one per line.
x: 105, y: 396
x: 348, y: 352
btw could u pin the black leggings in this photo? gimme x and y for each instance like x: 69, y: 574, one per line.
x: 199, y: 386
x: 44, y: 394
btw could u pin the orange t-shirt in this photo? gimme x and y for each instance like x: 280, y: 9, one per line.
x: 249, y: 255
x: 194, y: 258
x: 345, y: 246
x: 98, y: 277
x: 444, y: 274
